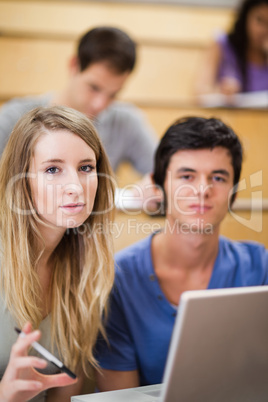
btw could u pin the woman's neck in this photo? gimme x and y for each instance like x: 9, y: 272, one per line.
x: 51, y: 237
x: 257, y: 57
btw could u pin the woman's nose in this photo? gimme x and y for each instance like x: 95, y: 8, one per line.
x: 73, y: 185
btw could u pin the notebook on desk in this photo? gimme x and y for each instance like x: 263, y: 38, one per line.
x: 218, y: 351
x: 245, y: 100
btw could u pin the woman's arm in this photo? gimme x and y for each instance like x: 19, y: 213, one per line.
x: 207, y: 82
x: 109, y: 380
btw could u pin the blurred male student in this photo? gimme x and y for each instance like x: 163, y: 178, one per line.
x: 105, y: 58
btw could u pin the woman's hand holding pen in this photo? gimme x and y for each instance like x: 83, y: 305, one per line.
x: 21, y: 381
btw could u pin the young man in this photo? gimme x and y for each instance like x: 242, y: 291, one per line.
x: 105, y: 59
x: 197, y: 165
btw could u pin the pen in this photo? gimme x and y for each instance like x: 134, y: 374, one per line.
x: 47, y: 355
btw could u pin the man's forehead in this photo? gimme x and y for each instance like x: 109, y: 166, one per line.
x: 104, y: 68
x: 208, y: 156
x: 100, y: 74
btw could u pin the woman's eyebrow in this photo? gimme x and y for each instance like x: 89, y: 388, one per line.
x: 54, y: 161
x: 88, y: 160
x: 63, y: 161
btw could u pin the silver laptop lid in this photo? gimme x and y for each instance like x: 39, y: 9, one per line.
x: 219, y: 347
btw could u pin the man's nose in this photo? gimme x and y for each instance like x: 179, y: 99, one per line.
x: 100, y: 103
x: 204, y: 187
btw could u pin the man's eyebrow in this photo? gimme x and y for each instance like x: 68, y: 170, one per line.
x: 185, y: 169
x: 221, y: 171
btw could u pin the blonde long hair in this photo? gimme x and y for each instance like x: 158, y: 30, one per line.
x: 83, y: 270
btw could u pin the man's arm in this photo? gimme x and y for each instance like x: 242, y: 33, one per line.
x: 127, y: 137
x: 110, y: 380
x: 8, y: 118
x: 117, y: 359
x: 142, y: 143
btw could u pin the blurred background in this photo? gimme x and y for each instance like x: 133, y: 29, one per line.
x: 37, y: 39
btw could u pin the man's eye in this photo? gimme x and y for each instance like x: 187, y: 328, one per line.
x: 219, y: 178
x: 52, y: 170
x: 87, y: 168
x: 94, y: 88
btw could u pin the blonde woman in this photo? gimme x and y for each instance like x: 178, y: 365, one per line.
x: 56, y: 197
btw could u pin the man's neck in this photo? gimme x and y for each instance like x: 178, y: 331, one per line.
x: 61, y: 98
x: 189, y: 251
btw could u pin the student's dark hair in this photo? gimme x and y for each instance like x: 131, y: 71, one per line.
x: 197, y: 133
x: 109, y: 45
x: 238, y: 36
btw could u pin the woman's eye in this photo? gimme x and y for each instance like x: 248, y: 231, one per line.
x: 87, y: 168
x: 52, y: 170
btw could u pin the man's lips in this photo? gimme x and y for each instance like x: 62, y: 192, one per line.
x: 200, y: 208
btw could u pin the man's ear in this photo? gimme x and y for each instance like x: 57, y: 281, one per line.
x: 74, y: 65
x: 158, y: 191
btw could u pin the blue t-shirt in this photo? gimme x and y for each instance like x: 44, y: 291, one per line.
x: 141, y: 319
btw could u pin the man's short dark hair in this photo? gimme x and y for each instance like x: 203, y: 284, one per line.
x: 197, y: 133
x: 109, y: 45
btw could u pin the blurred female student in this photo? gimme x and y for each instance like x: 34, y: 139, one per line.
x: 56, y: 270
x: 238, y: 61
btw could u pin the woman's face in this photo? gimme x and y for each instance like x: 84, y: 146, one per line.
x: 63, y: 179
x: 257, y: 27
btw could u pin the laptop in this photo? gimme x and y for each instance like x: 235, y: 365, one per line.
x: 218, y: 351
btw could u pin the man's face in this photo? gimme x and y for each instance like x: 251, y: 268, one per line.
x: 197, y: 186
x: 93, y: 89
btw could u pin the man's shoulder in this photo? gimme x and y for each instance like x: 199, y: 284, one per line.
x: 120, y: 111
x: 27, y: 103
x: 132, y: 265
x: 135, y: 249
x: 134, y: 258
x: 241, y: 244
x: 244, y: 250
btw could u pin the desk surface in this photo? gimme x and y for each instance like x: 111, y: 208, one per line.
x: 140, y: 394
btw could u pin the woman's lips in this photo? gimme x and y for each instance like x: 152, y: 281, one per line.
x: 73, y: 208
